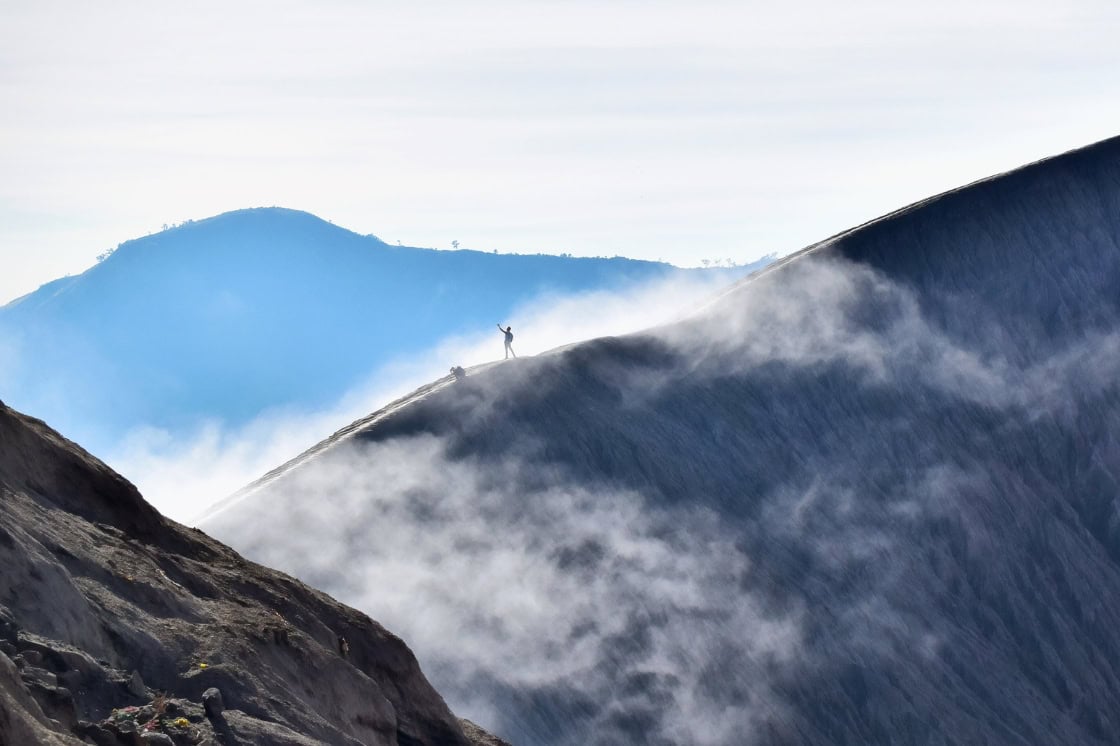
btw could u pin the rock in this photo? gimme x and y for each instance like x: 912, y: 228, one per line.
x: 128, y: 733
x: 136, y: 686
x: 212, y: 701
x: 56, y: 702
x: 94, y: 732
x: 158, y: 739
x: 9, y: 630
x: 102, y: 737
x: 39, y: 676
x: 7, y: 648
x: 201, y: 602
x: 71, y: 679
x: 33, y: 657
x: 479, y: 737
x: 89, y: 668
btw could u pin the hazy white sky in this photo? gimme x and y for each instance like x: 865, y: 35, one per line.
x: 672, y: 130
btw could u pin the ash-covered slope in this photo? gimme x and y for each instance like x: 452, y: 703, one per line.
x: 226, y: 318
x: 104, y: 604
x: 869, y: 496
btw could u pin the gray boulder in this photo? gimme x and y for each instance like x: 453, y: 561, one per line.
x: 212, y: 701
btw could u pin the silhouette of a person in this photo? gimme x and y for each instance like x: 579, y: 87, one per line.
x: 509, y: 340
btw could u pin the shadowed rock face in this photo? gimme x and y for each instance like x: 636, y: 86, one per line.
x: 869, y: 496
x: 104, y: 603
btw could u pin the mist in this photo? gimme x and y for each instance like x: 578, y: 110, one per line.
x: 559, y: 588
x: 183, y: 474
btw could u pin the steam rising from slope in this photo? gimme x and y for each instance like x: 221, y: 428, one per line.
x: 534, y: 589
x: 825, y: 312
x: 558, y: 604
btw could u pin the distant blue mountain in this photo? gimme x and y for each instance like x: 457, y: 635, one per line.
x: 870, y: 497
x: 227, y: 317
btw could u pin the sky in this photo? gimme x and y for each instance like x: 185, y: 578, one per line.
x: 679, y: 131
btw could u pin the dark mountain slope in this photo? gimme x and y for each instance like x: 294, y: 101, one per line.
x: 103, y: 603
x: 1062, y: 216
x: 225, y: 318
x: 868, y: 496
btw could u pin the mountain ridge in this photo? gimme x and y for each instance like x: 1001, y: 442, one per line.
x: 257, y: 311
x: 244, y: 219
x: 867, y: 496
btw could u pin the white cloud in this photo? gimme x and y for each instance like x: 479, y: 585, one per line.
x: 823, y: 311
x: 537, y: 588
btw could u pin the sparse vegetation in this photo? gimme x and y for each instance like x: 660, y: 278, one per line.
x: 107, y: 253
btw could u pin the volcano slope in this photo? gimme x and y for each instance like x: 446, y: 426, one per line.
x: 105, y: 604
x: 868, y: 496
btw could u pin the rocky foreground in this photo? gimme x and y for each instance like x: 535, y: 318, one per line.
x: 118, y: 626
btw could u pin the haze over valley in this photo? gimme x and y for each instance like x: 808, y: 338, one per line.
x: 196, y: 358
